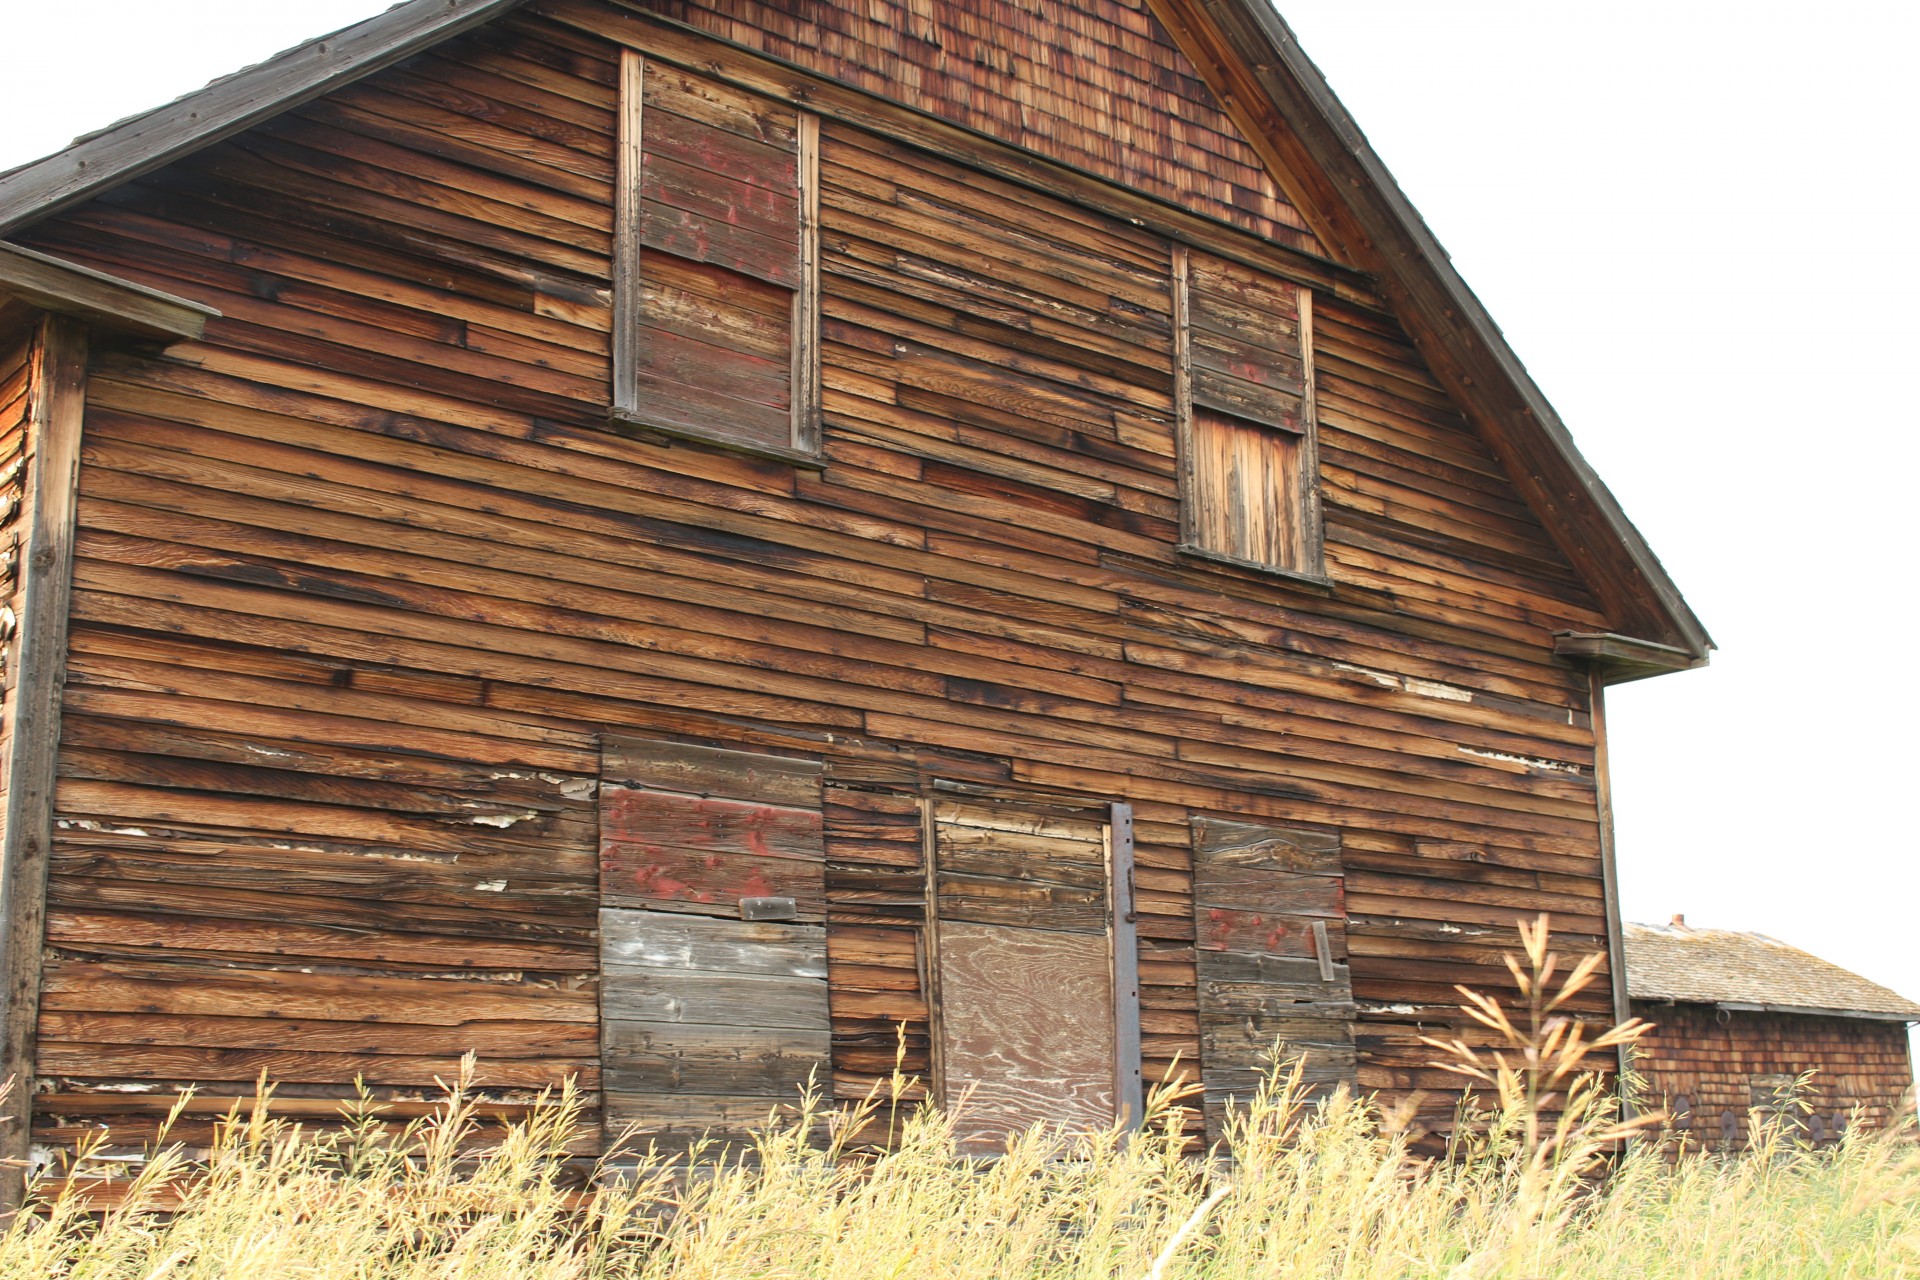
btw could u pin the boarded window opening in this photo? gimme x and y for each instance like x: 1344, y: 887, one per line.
x: 716, y: 270
x: 1247, y: 491
x: 713, y: 948
x: 1249, y: 453
x: 1034, y: 966
x: 1271, y: 951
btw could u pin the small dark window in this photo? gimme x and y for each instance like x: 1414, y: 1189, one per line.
x: 1248, y: 451
x: 716, y: 263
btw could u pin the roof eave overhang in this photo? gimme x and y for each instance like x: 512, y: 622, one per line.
x: 1796, y: 1010
x: 107, y: 303
x: 1619, y: 658
x: 1317, y: 153
x: 143, y: 143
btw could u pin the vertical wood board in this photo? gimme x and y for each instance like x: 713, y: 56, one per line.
x: 56, y: 405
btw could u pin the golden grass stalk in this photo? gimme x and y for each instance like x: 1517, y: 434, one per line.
x: 1537, y: 1183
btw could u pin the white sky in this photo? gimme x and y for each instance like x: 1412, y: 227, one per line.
x: 1694, y: 221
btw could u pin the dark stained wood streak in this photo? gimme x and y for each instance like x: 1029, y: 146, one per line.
x: 38, y: 652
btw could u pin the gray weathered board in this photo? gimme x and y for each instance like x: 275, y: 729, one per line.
x: 1271, y: 958
x: 710, y: 1022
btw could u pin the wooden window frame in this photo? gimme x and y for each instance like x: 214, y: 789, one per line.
x: 804, y: 440
x: 1312, y: 532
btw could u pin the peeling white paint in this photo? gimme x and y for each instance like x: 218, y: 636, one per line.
x: 1375, y: 1007
x: 1380, y: 678
x: 1530, y: 762
x: 87, y: 824
x: 502, y: 820
x: 573, y: 788
x: 1434, y: 689
x: 1451, y: 928
x: 1407, y: 684
x: 491, y: 886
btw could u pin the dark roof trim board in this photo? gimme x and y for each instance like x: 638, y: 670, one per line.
x: 1253, y: 63
x: 1622, y: 658
x: 1808, y: 1012
x: 103, y: 300
x: 144, y: 142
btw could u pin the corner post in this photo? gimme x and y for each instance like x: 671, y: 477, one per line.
x: 57, y: 400
x: 1609, y: 872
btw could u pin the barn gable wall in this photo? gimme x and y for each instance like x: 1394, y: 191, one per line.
x: 364, y: 581
x: 1098, y: 84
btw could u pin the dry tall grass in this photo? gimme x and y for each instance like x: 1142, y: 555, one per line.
x: 1318, y: 1189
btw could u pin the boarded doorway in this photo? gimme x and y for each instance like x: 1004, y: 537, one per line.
x: 1032, y: 964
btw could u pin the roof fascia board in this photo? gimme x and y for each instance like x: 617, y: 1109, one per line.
x: 1622, y: 658
x: 225, y: 107
x: 1255, y: 65
x: 101, y: 299
x: 1810, y: 1012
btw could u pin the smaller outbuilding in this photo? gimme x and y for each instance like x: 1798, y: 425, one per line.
x: 1740, y: 1016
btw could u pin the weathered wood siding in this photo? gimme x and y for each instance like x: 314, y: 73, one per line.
x: 1097, y: 84
x: 1709, y: 1069
x: 363, y: 580
x: 15, y: 411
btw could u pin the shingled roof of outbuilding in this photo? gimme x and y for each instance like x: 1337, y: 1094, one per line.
x: 1750, y: 972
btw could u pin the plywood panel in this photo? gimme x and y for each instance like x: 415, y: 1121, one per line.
x: 1025, y: 1029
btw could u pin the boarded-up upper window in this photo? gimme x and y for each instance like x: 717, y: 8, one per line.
x: 1249, y: 459
x: 716, y: 276
x: 1037, y: 1017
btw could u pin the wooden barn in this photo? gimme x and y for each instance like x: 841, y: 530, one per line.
x: 1740, y: 1017
x: 690, y: 544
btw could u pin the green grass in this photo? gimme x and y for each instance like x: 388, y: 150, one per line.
x: 1321, y: 1189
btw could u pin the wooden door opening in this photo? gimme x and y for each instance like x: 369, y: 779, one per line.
x: 1032, y: 965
